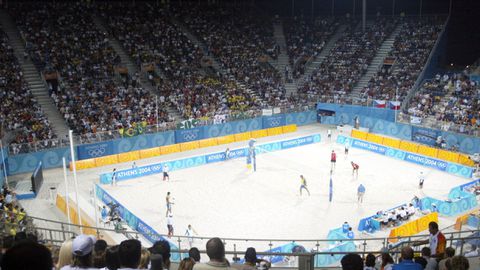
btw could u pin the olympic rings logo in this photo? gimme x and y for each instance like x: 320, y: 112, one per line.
x: 189, y: 136
x: 96, y: 152
x: 275, y: 122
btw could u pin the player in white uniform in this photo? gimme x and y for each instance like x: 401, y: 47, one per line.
x: 190, y: 232
x: 421, y: 179
x: 165, y: 172
x: 169, y: 202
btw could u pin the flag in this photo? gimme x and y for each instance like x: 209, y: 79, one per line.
x: 330, y: 195
x: 394, y: 105
x: 379, y: 103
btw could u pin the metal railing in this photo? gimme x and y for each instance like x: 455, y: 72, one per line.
x: 55, y: 233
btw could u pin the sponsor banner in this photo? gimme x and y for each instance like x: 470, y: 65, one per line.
x: 424, y: 135
x: 267, y: 112
x: 95, y: 150
x: 273, y: 121
x: 425, y: 161
x: 452, y: 168
x: 135, y: 222
x: 189, y: 162
x: 188, y: 135
x: 296, y: 142
x: 369, y: 146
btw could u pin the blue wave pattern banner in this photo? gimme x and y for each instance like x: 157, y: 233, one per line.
x: 135, y: 222
x: 195, y: 161
x: 437, y: 164
x: 27, y: 162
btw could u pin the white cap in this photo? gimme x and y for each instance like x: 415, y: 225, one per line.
x: 83, y: 244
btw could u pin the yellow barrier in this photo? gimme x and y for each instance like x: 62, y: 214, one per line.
x: 374, y: 138
x: 362, y: 135
x: 427, y: 151
x: 84, y: 164
x: 447, y: 155
x: 414, y: 148
x: 409, y: 146
x: 62, y: 206
x: 274, y: 131
x: 106, y: 160
x: 174, y: 148
x: 259, y: 133
x: 465, y: 160
x: 128, y: 156
x: 390, y: 142
x: 150, y: 152
x: 289, y: 128
x: 413, y: 227
x: 207, y: 142
x: 225, y: 139
x: 168, y: 149
x: 187, y: 146
x: 242, y: 136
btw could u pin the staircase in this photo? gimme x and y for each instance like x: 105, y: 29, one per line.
x: 376, y: 63
x: 126, y: 61
x: 282, y: 60
x: 215, y: 64
x: 33, y: 77
x: 313, y: 64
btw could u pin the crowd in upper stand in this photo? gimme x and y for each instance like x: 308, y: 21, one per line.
x: 195, y: 94
x: 242, y: 40
x: 410, y: 52
x: 65, y: 39
x: 347, y: 62
x: 19, y: 113
x: 449, y: 99
x: 305, y: 40
x: 93, y: 98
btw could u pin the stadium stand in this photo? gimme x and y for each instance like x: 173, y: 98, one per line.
x: 194, y: 93
x: 242, y: 40
x: 406, y: 60
x: 20, y: 113
x: 452, y: 100
x: 65, y: 40
x: 305, y: 40
x: 346, y: 63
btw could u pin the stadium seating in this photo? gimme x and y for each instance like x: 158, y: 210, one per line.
x: 19, y: 113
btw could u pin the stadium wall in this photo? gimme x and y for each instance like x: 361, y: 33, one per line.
x: 376, y: 122
x: 52, y: 158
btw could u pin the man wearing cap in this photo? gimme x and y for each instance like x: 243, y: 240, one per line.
x: 82, y: 248
x: 216, y: 253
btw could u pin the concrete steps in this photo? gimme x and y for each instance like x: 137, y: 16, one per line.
x: 376, y: 63
x: 313, y: 64
x: 33, y: 77
x: 127, y: 61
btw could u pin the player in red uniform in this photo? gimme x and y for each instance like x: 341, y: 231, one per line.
x: 355, y: 168
x: 333, y: 159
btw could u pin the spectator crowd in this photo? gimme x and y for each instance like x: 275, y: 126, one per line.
x: 335, y: 78
x: 20, y: 113
x: 410, y: 52
x: 64, y: 39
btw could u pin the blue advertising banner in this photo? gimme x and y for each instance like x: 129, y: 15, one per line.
x: 424, y: 135
x: 95, y: 150
x: 188, y: 135
x: 135, y: 222
x: 273, y: 121
x: 425, y: 161
x: 194, y: 161
x: 441, y: 165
